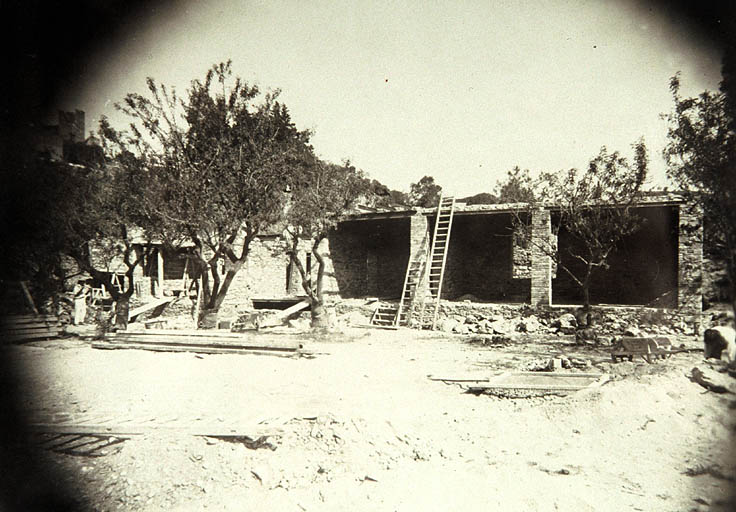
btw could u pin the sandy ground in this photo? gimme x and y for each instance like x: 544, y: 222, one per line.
x: 360, y: 426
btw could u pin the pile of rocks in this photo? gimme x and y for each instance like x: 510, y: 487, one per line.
x: 557, y: 363
x: 497, y: 324
x: 605, y: 325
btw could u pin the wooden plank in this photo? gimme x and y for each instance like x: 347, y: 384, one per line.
x: 31, y: 330
x: 25, y: 327
x: 203, y: 349
x: 20, y: 320
x: 199, y: 333
x: 556, y: 387
x: 280, y: 316
x: 553, y: 375
x: 22, y: 317
x: 175, y: 343
x: 500, y: 382
x: 149, y: 306
x: 28, y: 297
x: 241, y: 343
x: 456, y: 379
x: 20, y: 327
x: 21, y: 337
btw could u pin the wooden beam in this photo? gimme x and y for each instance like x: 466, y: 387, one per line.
x: 147, y: 307
x: 27, y: 295
x: 201, y: 349
x: 279, y: 317
x: 206, y: 341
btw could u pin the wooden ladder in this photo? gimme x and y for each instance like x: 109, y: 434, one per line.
x: 394, y: 316
x: 437, y: 259
x: 413, y: 280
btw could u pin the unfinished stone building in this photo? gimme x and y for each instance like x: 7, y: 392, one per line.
x: 367, y: 256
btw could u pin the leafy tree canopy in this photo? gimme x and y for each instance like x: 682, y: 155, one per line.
x: 218, y: 164
x: 596, y: 207
x: 701, y: 159
x: 425, y: 193
x: 518, y: 187
x: 322, y: 196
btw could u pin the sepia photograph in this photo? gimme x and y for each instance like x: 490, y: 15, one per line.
x: 390, y: 255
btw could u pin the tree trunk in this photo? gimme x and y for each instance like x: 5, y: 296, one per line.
x: 320, y: 318
x: 122, y: 309
x: 586, y: 297
x: 733, y: 300
x: 208, y: 318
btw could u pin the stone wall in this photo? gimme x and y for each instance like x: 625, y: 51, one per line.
x: 387, y: 255
x: 690, y: 259
x: 480, y: 260
x: 349, y: 259
x: 368, y: 257
x: 263, y: 275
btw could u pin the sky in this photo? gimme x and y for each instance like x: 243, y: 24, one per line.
x: 460, y: 90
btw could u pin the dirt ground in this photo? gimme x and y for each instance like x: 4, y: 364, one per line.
x: 360, y: 426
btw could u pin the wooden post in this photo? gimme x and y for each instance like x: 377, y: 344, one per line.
x: 28, y: 297
x: 196, y: 307
x: 160, y: 272
x: 184, y: 276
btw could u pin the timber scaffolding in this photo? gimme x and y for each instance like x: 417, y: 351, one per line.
x: 423, y: 279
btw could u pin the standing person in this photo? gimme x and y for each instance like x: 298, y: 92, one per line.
x: 80, y: 303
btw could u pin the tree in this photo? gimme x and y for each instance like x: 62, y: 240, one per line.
x: 32, y: 251
x: 596, y: 208
x: 701, y: 159
x: 219, y: 163
x: 99, y: 230
x: 82, y: 210
x: 518, y: 187
x: 425, y: 193
x: 322, y: 195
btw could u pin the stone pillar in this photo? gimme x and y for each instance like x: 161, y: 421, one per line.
x: 690, y: 263
x: 541, y: 292
x: 418, y: 233
x: 419, y: 248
